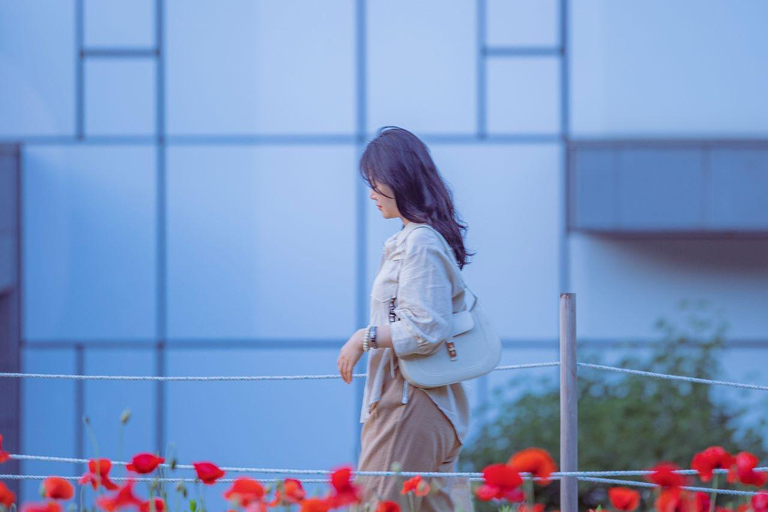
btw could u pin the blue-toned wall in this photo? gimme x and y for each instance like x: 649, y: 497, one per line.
x: 192, y: 204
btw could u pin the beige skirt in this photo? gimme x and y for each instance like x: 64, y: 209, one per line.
x: 420, y: 438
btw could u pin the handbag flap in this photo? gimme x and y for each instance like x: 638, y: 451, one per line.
x: 462, y: 322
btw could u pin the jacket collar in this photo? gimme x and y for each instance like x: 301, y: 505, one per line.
x: 396, y: 239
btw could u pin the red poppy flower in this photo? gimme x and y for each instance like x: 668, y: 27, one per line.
x: 714, y: 457
x: 58, y: 488
x: 415, y: 485
x: 245, y: 490
x: 701, y: 502
x: 293, y: 492
x: 256, y: 506
x: 345, y: 492
x: 208, y: 472
x: 745, y: 469
x: 760, y: 501
x: 388, y: 506
x: 4, y: 456
x: 664, y: 475
x: 536, y: 461
x: 123, y: 498
x: 672, y: 499
x: 51, y: 506
x: 98, y: 471
x: 159, y: 506
x: 315, y: 505
x: 537, y: 507
x: 624, y: 498
x: 501, y: 483
x: 7, y: 497
x: 144, y: 463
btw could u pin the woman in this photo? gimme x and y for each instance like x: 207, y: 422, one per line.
x: 419, y: 429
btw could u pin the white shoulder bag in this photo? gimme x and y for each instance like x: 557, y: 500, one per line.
x: 472, y: 350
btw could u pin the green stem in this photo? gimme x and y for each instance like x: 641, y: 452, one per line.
x: 120, y: 446
x: 99, y: 487
x: 168, y: 459
x: 529, y: 494
x: 410, y: 502
x: 163, y: 485
x: 177, y: 506
x: 201, y: 496
x: 715, y: 482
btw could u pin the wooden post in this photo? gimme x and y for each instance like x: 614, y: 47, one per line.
x: 569, y: 393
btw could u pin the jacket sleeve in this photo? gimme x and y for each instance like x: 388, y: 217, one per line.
x: 424, y: 299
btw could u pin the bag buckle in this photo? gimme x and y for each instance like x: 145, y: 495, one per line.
x: 451, y: 346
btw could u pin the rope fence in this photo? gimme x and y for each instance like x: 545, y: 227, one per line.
x: 224, y: 378
x: 235, y: 469
x: 648, y: 484
x: 165, y: 378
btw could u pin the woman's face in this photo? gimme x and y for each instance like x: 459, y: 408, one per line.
x: 386, y: 205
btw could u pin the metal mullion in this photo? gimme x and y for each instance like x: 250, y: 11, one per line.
x: 482, y: 70
x: 161, y: 236
x: 523, y: 51
x: 116, y: 53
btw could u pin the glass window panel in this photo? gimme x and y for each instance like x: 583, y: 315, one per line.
x: 661, y: 272
x: 424, y: 78
x: 660, y: 189
x: 119, y: 23
x: 262, y: 68
x: 89, y: 242
x: 120, y: 97
x: 48, y: 421
x: 739, y: 186
x: 261, y: 241
x: 522, y: 23
x: 38, y: 45
x: 106, y: 400
x: 524, y: 95
x: 693, y: 78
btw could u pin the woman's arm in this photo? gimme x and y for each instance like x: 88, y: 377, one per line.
x: 424, y: 297
x: 352, y: 350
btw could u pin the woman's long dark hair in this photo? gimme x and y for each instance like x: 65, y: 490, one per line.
x: 400, y: 160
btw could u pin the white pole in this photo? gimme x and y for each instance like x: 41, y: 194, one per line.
x: 569, y: 426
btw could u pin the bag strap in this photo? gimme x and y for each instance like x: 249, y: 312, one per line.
x: 452, y: 258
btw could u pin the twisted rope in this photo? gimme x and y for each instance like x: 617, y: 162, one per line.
x: 648, y: 484
x: 165, y: 378
x: 235, y: 469
x: 674, y: 377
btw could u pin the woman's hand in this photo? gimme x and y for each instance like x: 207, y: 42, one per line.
x: 350, y: 354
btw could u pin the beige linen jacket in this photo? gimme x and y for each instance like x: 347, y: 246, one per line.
x: 429, y: 291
